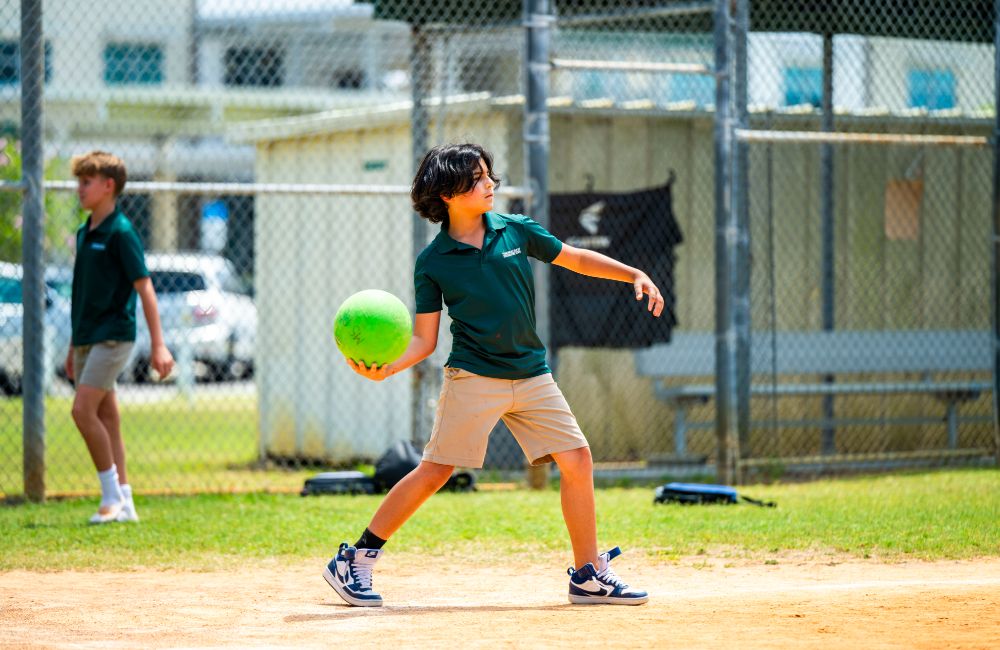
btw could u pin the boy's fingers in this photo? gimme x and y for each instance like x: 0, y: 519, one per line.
x: 659, y: 306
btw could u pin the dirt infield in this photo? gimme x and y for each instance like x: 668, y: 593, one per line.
x: 798, y: 602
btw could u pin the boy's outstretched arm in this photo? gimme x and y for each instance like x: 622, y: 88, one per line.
x: 425, y: 336
x: 596, y: 265
x: 159, y: 356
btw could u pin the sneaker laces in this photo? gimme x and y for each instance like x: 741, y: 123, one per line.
x: 362, y: 574
x: 609, y: 576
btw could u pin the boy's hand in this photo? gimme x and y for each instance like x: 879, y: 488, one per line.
x: 161, y: 361
x: 643, y: 284
x: 375, y: 373
x: 69, y: 364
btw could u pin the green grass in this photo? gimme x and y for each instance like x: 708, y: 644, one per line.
x: 934, y: 515
x: 173, y: 445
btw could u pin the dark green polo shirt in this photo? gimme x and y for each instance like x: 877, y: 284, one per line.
x: 490, y: 294
x: 109, y: 259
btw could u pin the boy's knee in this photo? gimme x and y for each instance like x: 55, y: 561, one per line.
x: 435, y: 472
x: 81, y: 411
x: 576, y: 462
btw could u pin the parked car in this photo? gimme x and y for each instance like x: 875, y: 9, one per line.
x: 58, y: 328
x: 206, y: 312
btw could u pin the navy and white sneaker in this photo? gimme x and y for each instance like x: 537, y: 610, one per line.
x: 350, y: 575
x: 590, y: 586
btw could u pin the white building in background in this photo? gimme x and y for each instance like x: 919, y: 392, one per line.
x: 159, y: 82
x: 874, y: 75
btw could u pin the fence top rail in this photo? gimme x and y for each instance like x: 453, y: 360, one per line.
x: 260, y: 188
x: 841, y: 137
x: 631, y: 66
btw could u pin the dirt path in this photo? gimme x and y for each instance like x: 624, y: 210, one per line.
x: 796, y: 603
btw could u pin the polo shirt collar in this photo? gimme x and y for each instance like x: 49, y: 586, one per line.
x: 444, y: 243
x: 106, y: 224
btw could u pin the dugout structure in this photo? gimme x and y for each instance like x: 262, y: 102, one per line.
x: 731, y: 23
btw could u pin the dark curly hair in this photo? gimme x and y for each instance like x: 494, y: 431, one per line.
x: 447, y: 170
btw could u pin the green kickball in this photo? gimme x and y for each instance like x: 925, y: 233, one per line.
x: 372, y: 327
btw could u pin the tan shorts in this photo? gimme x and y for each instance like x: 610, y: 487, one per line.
x: 99, y: 365
x: 533, y: 409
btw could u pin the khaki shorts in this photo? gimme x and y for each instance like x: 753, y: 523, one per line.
x: 534, y: 410
x: 99, y: 365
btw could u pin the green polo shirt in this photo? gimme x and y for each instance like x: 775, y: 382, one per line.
x: 109, y: 259
x: 490, y: 294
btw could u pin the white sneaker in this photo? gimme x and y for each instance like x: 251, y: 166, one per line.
x: 588, y: 585
x: 350, y: 575
x: 128, y: 512
x: 107, y: 514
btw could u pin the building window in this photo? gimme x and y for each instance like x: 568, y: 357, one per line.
x: 803, y: 86
x: 349, y: 79
x: 133, y: 63
x: 688, y: 87
x: 10, y: 62
x: 254, y: 66
x: 931, y: 89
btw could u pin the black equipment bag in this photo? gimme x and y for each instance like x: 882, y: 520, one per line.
x: 402, y: 458
x: 398, y: 461
x: 338, y: 483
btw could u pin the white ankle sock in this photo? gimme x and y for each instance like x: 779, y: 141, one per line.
x: 126, y: 491
x: 110, y: 492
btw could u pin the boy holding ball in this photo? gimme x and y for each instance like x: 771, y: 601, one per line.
x: 478, y: 265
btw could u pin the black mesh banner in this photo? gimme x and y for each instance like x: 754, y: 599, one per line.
x: 637, y: 228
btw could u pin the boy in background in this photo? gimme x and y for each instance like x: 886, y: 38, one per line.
x: 478, y: 265
x: 108, y: 273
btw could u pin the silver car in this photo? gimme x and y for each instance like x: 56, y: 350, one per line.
x: 207, y: 314
x: 58, y: 329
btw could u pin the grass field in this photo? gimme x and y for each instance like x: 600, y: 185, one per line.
x: 934, y: 515
x: 209, y: 444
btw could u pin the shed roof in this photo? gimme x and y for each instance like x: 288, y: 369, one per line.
x: 958, y: 20
x: 400, y: 112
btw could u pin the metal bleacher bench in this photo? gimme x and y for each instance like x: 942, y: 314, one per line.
x: 923, y: 352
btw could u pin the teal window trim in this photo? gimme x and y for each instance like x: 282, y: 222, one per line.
x: 933, y: 89
x: 803, y: 86
x: 133, y: 63
x: 10, y: 62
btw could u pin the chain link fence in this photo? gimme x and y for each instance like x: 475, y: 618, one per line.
x: 270, y: 147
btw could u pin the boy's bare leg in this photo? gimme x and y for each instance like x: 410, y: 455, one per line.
x: 576, y: 470
x: 108, y: 413
x: 95, y: 433
x: 407, y: 496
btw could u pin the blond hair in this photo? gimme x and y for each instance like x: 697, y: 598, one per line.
x: 100, y: 163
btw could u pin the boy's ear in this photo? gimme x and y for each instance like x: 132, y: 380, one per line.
x: 446, y: 198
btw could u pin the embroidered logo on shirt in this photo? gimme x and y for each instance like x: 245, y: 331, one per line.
x: 511, y: 253
x: 98, y: 246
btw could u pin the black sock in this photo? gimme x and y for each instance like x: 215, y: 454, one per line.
x: 368, y: 539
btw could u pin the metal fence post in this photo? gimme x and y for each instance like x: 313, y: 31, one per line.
x: 537, y: 20
x: 423, y: 378
x: 741, y: 211
x: 828, y: 443
x: 33, y: 170
x: 995, y: 270
x: 726, y: 244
